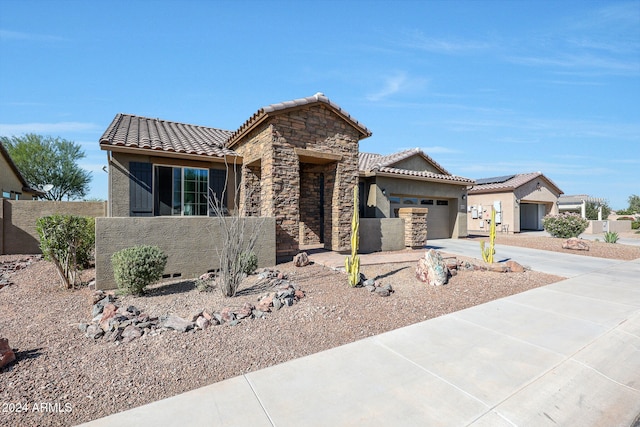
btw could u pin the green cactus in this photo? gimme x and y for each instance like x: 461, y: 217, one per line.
x: 487, y: 254
x: 352, y: 264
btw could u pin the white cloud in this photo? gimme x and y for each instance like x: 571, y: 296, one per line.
x: 397, y: 83
x: 46, y: 128
x: 418, y: 40
x: 17, y: 35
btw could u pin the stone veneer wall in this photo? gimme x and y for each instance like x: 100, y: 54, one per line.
x: 415, y: 226
x: 310, y: 227
x: 317, y: 128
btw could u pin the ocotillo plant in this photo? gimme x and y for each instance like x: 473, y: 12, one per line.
x: 352, y: 264
x: 487, y: 254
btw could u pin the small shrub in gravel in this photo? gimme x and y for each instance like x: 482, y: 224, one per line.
x: 203, y: 285
x: 137, y: 267
x: 565, y: 225
x: 611, y: 237
x: 67, y: 241
x: 249, y: 262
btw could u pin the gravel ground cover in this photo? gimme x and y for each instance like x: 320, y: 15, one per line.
x: 61, y: 377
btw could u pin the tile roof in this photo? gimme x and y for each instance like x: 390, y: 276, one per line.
x: 319, y: 97
x: 371, y: 162
x: 160, y: 135
x: 508, y: 183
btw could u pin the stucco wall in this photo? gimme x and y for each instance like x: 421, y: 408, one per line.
x: 598, y: 227
x: 510, y: 212
x: 18, y: 218
x: 189, y: 242
x: 381, y: 234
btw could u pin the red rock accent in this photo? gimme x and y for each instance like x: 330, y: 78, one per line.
x: 6, y: 353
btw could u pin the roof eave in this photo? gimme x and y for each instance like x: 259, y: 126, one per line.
x: 371, y: 173
x: 172, y: 154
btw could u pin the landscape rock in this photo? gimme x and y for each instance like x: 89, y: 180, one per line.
x: 227, y: 315
x: 6, y: 353
x: 371, y: 288
x: 177, y: 323
x: 497, y: 267
x: 245, y: 311
x: 383, y: 292
x: 514, y: 267
x: 202, y: 322
x: 432, y: 269
x: 94, y: 331
x: 301, y: 259
x: 107, y: 314
x: 130, y: 333
x: 575, y: 244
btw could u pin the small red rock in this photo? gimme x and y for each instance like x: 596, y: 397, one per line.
x: 6, y: 353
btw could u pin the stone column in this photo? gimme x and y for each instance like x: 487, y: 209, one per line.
x: 415, y: 226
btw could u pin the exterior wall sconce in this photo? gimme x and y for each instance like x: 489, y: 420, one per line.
x: 464, y: 196
x: 538, y: 186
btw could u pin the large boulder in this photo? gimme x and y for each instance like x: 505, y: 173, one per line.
x: 301, y: 259
x: 432, y: 269
x: 575, y: 244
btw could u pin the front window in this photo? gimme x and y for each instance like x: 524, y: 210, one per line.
x: 181, y: 191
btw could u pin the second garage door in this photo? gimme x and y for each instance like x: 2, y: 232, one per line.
x: 438, y: 226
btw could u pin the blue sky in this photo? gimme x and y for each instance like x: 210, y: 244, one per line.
x: 486, y: 88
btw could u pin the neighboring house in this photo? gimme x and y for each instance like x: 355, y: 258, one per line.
x: 296, y: 161
x: 12, y: 183
x: 520, y: 201
x: 578, y: 204
x: 411, y: 178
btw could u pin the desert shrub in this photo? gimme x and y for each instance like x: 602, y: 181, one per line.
x: 611, y: 237
x: 137, y: 267
x: 248, y: 262
x: 203, y: 285
x: 635, y: 225
x: 565, y: 225
x: 67, y: 241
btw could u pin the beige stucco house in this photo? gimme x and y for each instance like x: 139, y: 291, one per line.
x: 520, y: 201
x: 12, y: 183
x: 296, y: 161
x: 411, y: 178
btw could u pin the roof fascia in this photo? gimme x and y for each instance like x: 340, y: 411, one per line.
x: 413, y: 178
x: 171, y: 154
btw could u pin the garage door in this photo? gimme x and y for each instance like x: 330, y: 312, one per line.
x: 437, y: 219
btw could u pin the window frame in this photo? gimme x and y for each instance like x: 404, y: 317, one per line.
x: 203, y: 206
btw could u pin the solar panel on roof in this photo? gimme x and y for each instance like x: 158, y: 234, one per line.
x: 494, y: 180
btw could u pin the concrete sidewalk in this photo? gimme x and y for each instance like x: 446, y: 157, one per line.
x: 565, y: 354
